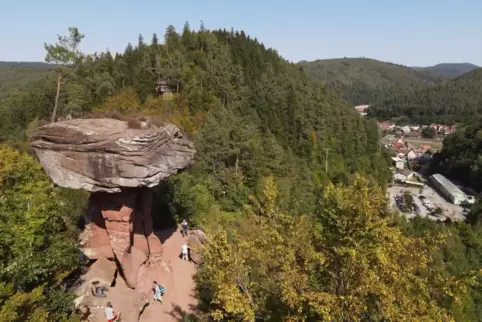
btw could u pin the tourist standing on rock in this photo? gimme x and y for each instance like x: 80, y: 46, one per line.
x: 158, y: 291
x: 184, y: 250
x: 98, y: 291
x: 184, y: 228
x: 110, y: 314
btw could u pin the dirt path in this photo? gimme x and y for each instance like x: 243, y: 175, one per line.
x: 179, y: 299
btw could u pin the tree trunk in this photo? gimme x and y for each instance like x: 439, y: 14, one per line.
x: 54, y: 113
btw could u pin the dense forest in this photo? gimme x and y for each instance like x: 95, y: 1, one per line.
x: 457, y: 100
x: 449, y: 69
x: 367, y: 81
x: 291, y: 236
x: 14, y: 75
x: 461, y: 156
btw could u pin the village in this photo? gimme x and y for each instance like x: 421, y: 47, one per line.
x: 414, y: 190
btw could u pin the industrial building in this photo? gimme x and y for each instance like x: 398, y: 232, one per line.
x: 448, y: 189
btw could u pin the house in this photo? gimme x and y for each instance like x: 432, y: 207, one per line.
x: 362, y: 109
x: 435, y: 126
x: 165, y: 87
x: 407, y: 173
x: 386, y: 125
x: 399, y: 147
x: 411, y: 154
x: 406, y: 129
x: 398, y: 163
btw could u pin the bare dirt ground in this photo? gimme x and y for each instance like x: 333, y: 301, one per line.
x: 180, y: 298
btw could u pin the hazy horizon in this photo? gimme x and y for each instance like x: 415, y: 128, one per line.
x: 411, y: 33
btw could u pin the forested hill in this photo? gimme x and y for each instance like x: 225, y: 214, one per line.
x: 18, y: 74
x: 366, y: 81
x: 449, y: 69
x: 454, y: 101
x: 249, y: 110
x: 284, y: 242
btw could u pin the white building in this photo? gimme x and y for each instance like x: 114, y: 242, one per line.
x: 448, y: 189
x: 398, y: 163
x: 406, y: 129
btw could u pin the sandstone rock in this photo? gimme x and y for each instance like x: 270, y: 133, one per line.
x: 200, y: 235
x: 196, y: 257
x: 131, y: 261
x: 106, y: 155
x: 102, y: 271
x: 94, y: 241
x: 195, y: 241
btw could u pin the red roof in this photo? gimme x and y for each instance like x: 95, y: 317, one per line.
x: 385, y: 125
x: 399, y: 146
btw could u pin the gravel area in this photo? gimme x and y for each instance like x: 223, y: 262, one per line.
x: 454, y: 212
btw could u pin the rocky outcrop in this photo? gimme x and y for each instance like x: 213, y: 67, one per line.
x: 118, y: 164
x: 107, y: 155
x: 197, y: 239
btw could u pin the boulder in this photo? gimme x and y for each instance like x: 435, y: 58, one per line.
x: 200, y: 235
x: 107, y: 154
x: 195, y: 241
x: 102, y: 271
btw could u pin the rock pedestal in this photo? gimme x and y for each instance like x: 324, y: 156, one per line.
x: 119, y: 225
x: 118, y: 164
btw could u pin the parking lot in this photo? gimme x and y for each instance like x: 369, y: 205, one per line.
x: 450, y: 210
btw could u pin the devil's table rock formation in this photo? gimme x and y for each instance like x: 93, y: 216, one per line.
x: 118, y: 165
x: 106, y: 155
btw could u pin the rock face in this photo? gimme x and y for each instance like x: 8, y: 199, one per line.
x: 197, y: 239
x: 117, y: 164
x: 107, y: 155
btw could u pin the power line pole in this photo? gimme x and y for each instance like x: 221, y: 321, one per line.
x: 326, y: 158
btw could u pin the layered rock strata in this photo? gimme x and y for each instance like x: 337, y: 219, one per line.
x: 118, y: 165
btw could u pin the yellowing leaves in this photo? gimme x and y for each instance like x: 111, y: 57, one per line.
x: 357, y: 267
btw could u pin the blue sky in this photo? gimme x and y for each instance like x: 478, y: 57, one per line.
x: 409, y: 32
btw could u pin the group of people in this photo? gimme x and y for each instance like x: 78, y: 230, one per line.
x: 110, y: 314
x: 158, y: 290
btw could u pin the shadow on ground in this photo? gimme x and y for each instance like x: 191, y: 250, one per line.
x: 182, y: 316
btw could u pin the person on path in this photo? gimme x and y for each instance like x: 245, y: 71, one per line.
x: 184, y: 228
x: 110, y: 314
x: 98, y: 291
x: 184, y: 251
x: 158, y: 291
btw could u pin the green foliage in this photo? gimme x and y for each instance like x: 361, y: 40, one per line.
x: 64, y: 54
x: 367, y: 81
x: 457, y: 100
x: 347, y: 263
x: 449, y: 70
x: 38, y: 249
x: 429, y: 132
x: 14, y: 75
x: 461, y: 156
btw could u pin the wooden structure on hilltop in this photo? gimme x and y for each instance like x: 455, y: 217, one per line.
x: 165, y: 87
